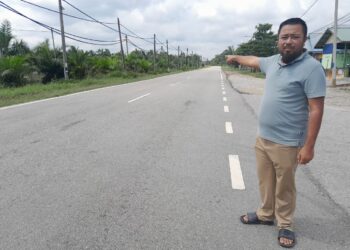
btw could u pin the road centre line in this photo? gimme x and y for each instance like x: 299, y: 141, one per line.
x: 226, y: 109
x: 236, y: 173
x: 224, y: 99
x: 224, y: 92
x: 228, y: 126
x: 138, y: 98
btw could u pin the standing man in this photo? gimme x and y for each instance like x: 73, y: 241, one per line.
x: 289, y: 121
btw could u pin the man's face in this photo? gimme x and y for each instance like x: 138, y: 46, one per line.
x: 291, y: 42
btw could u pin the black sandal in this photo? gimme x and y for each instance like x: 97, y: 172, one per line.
x: 287, y: 234
x: 254, y: 220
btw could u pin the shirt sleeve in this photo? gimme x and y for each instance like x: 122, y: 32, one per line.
x: 266, y: 62
x: 263, y: 64
x: 315, y: 84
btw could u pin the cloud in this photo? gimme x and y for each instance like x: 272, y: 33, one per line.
x: 205, y: 26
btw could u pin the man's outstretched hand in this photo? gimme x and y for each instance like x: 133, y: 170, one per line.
x: 230, y: 59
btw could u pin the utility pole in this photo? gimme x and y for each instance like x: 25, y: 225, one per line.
x: 178, y: 56
x: 53, y: 43
x: 187, y: 58
x: 65, y: 64
x: 127, y: 46
x: 167, y: 52
x: 154, y: 52
x: 121, y: 44
x: 335, y: 34
x: 192, y: 60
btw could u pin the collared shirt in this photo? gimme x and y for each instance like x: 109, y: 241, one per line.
x: 284, y: 108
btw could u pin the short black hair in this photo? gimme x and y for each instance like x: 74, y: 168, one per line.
x: 292, y: 21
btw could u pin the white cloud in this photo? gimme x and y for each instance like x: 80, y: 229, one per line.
x: 205, y: 26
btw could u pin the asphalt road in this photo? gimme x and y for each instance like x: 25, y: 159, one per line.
x: 146, y: 166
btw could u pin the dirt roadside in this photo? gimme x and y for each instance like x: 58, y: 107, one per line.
x: 336, y: 96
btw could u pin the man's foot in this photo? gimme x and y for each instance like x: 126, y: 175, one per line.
x: 252, y: 218
x: 286, y: 238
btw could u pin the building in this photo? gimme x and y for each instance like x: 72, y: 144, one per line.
x: 325, y: 43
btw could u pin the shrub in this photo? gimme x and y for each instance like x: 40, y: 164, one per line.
x: 13, y: 71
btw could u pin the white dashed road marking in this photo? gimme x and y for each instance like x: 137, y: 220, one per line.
x: 138, y: 98
x: 226, y: 109
x: 236, y: 173
x: 224, y: 99
x: 228, y: 126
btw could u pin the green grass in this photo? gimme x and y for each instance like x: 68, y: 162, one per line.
x: 243, y: 71
x: 32, y: 92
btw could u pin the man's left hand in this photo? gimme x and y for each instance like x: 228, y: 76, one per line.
x: 306, y: 154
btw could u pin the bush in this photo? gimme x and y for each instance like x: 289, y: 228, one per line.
x: 47, y: 63
x: 13, y: 71
x: 102, y: 65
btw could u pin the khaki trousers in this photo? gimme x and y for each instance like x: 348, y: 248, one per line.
x: 276, y: 166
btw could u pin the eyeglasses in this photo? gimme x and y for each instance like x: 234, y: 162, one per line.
x: 292, y: 37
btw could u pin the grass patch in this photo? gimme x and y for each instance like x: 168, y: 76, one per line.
x: 259, y: 74
x: 32, y: 92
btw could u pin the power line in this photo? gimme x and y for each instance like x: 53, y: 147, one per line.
x: 57, y: 31
x: 136, y: 46
x: 57, y: 12
x: 341, y: 20
x: 30, y: 30
x: 90, y: 16
x: 92, y: 19
x: 136, y: 36
x: 309, y: 8
x: 97, y: 21
x: 84, y: 19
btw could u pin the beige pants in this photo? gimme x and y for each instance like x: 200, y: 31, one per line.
x: 276, y: 166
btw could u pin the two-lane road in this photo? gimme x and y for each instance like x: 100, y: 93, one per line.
x: 166, y: 163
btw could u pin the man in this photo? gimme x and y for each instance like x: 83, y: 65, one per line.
x: 289, y: 121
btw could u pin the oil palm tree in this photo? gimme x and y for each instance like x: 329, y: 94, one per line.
x: 5, y: 37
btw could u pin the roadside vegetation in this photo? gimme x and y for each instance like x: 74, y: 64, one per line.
x: 30, y: 74
x: 262, y: 44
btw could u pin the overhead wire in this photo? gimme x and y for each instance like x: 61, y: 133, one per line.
x: 65, y: 14
x: 312, y: 5
x: 136, y: 36
x: 97, y: 21
x: 91, y: 19
x: 341, y: 20
x: 57, y: 31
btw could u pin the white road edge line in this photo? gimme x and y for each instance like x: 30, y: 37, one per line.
x: 228, y: 126
x: 236, y: 173
x: 226, y: 109
x: 138, y: 98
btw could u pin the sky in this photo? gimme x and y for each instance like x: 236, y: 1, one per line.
x: 204, y: 27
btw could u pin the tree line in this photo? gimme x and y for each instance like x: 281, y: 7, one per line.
x: 262, y: 44
x: 20, y: 65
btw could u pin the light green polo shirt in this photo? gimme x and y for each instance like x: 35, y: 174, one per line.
x: 284, y: 107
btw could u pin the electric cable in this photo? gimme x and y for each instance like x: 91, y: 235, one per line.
x: 90, y: 16
x: 309, y: 8
x: 57, y: 31
x: 57, y: 12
